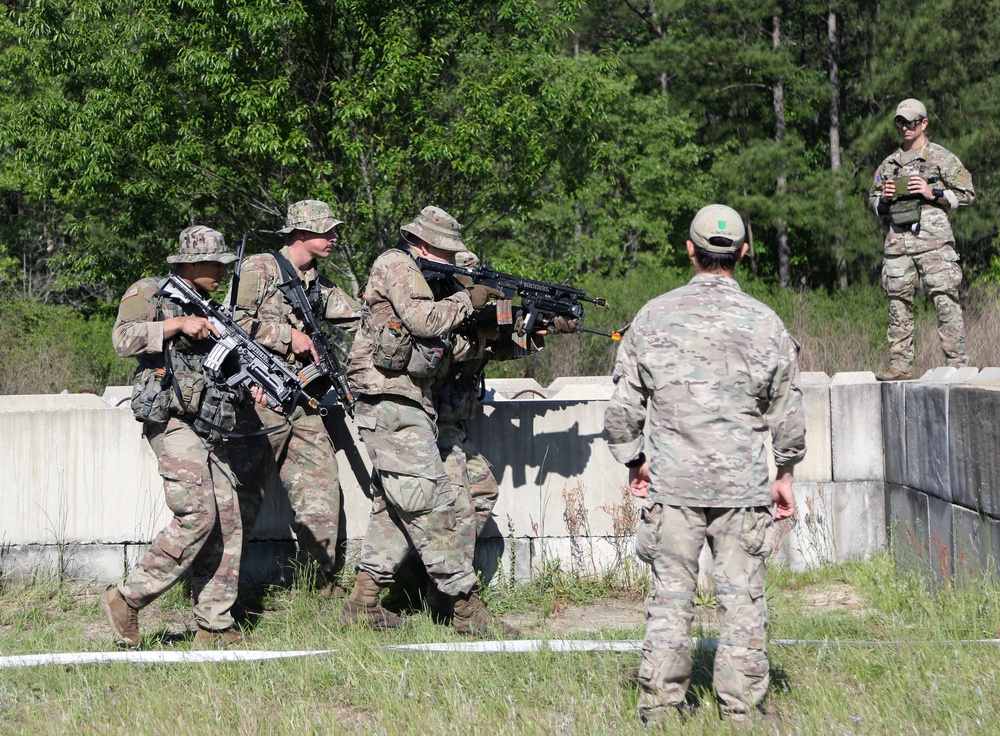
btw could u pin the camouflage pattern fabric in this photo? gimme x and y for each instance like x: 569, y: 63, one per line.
x: 925, y: 252
x: 415, y: 504
x: 263, y: 311
x: 205, y: 535
x: 942, y: 276
x: 943, y: 169
x: 398, y: 292
x: 302, y: 450
x: 716, y: 369
x: 741, y: 540
x: 307, y: 465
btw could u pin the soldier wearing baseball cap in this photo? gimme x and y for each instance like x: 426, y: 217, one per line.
x: 702, y: 374
x: 913, y: 192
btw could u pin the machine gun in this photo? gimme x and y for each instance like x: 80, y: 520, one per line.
x: 282, y: 385
x: 541, y: 301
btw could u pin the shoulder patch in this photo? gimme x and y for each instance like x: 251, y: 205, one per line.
x: 131, y: 292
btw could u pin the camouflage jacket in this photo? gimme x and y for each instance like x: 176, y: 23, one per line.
x: 263, y: 311
x: 716, y: 370
x: 943, y: 171
x: 397, y: 291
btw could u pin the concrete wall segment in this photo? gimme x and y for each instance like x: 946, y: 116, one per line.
x: 856, y: 427
x: 974, y: 446
x: 926, y: 428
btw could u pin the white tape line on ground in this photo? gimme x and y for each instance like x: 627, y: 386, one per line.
x: 154, y: 657
x: 517, y: 646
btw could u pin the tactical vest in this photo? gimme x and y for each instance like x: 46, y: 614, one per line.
x: 175, y: 382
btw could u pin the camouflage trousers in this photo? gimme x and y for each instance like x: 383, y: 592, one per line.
x: 307, y: 465
x: 206, y: 533
x: 472, y: 478
x: 414, y: 504
x: 670, y: 539
x: 942, y: 276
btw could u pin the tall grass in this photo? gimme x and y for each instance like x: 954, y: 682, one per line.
x: 920, y: 686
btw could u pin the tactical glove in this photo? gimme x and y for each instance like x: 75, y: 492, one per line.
x: 561, y: 325
x: 480, y: 294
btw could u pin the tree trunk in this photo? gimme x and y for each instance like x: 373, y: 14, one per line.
x: 784, y: 252
x: 839, y: 256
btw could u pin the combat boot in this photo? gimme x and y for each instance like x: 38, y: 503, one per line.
x: 894, y: 373
x: 211, y: 639
x: 123, y: 618
x: 328, y: 588
x: 439, y: 604
x: 362, y: 606
x: 473, y: 618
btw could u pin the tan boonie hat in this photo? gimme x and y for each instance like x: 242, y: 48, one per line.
x: 200, y: 244
x: 436, y: 227
x: 310, y: 215
x: 718, y: 221
x: 910, y: 110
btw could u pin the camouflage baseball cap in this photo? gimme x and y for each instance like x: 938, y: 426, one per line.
x: 910, y: 110
x: 718, y: 221
x: 436, y: 227
x: 200, y: 244
x: 311, y: 215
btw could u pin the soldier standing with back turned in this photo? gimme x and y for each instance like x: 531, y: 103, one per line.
x: 914, y: 190
x: 715, y: 371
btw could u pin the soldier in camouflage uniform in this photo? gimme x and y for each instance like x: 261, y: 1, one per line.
x: 205, y: 535
x: 404, y: 336
x: 920, y: 244
x: 714, y: 370
x: 303, y: 450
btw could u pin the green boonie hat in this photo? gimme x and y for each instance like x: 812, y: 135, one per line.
x: 718, y: 221
x: 310, y: 215
x: 910, y: 110
x: 201, y: 244
x: 436, y: 227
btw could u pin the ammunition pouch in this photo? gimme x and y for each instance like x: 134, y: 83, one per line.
x: 216, y: 412
x: 904, y: 212
x: 151, y: 396
x: 426, y: 356
x: 393, y: 347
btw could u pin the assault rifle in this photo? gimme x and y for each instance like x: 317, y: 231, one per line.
x: 282, y: 385
x: 329, y: 366
x: 541, y: 301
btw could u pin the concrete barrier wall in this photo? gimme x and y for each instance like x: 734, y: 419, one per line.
x: 81, y: 494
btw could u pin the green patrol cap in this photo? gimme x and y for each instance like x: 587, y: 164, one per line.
x: 200, y: 244
x: 720, y: 224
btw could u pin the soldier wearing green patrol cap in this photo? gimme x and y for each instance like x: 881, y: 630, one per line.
x: 702, y: 374
x: 913, y: 192
x: 302, y: 449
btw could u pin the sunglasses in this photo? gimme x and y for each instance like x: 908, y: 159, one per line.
x: 908, y: 124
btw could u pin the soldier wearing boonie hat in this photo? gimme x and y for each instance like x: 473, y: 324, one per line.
x: 414, y: 506
x: 302, y: 449
x: 311, y: 215
x: 170, y: 341
x: 913, y: 192
x: 700, y: 372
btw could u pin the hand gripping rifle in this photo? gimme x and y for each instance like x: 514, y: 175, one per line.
x: 282, y: 385
x: 541, y: 301
x: 329, y: 366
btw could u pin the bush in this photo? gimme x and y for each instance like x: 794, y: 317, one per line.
x: 50, y: 349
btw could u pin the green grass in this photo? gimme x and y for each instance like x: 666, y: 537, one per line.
x: 925, y: 687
